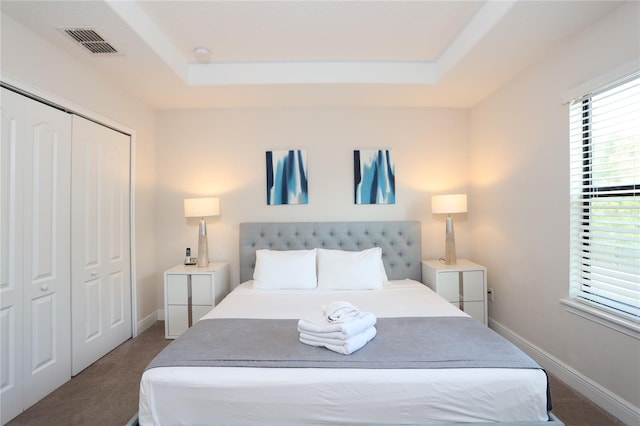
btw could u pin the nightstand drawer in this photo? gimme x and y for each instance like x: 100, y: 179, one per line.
x: 448, y: 286
x: 473, y: 285
x: 200, y: 311
x: 201, y: 290
x: 455, y: 286
x: 474, y: 309
x: 177, y: 289
x: 179, y: 322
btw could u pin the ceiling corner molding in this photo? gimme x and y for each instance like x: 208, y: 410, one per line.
x: 142, y: 25
x: 262, y: 73
x: 482, y: 22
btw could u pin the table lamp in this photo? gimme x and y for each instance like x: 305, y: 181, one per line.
x: 202, y: 207
x: 448, y: 204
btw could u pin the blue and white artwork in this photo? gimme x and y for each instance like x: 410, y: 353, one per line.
x: 287, y: 177
x: 374, y: 177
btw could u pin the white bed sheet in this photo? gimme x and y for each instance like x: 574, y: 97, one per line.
x: 293, y: 396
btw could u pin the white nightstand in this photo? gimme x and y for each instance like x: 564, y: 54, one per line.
x: 190, y: 292
x: 463, y: 284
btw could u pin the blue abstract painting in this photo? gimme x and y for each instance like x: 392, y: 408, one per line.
x: 374, y: 177
x: 287, y: 177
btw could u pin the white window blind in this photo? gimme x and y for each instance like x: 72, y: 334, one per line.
x: 605, y: 198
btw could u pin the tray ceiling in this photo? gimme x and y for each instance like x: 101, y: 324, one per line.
x: 311, y: 53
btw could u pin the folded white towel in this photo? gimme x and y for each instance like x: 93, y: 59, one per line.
x: 321, y: 338
x: 345, y: 329
x: 340, y: 311
x: 327, y: 335
x: 342, y: 346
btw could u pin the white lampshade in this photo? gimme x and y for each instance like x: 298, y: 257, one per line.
x: 452, y: 203
x: 201, y: 207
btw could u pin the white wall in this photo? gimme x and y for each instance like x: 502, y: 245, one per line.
x: 222, y: 153
x: 519, y: 175
x: 35, y: 65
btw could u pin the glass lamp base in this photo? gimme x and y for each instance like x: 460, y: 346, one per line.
x: 203, y: 249
x: 450, y: 244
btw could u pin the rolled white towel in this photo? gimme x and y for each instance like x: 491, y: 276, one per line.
x: 346, y: 346
x: 340, y: 312
x: 345, y: 329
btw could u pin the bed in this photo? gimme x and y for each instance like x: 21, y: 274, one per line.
x: 317, y: 386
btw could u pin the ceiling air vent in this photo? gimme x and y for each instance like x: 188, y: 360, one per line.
x: 91, y: 40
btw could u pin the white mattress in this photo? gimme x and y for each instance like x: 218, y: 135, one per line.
x: 288, y: 396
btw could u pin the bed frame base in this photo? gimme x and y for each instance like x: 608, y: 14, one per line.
x: 553, y: 421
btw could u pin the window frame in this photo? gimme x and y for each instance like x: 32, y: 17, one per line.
x: 606, y: 314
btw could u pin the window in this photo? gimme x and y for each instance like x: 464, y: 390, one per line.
x: 605, y: 199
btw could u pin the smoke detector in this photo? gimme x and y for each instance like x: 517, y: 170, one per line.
x: 202, y: 54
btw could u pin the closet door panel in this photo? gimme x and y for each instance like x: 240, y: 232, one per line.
x: 117, y: 287
x: 92, y: 325
x: 90, y: 186
x: 44, y: 201
x: 47, y: 273
x: 101, y: 236
x: 11, y: 266
x: 43, y: 325
x: 118, y: 165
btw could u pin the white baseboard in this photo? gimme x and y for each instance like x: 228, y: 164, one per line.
x: 147, y: 322
x: 160, y: 314
x: 622, y: 409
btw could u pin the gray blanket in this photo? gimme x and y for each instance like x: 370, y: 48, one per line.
x: 438, y: 342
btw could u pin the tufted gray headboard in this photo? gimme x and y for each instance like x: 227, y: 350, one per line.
x: 400, y: 242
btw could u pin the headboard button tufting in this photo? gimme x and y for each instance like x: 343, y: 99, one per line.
x: 399, y: 240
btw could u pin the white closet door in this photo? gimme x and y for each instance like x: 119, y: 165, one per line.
x: 47, y: 274
x: 35, y: 287
x: 100, y: 233
x: 11, y: 269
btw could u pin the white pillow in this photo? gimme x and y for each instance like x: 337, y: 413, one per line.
x: 286, y: 269
x: 351, y: 270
